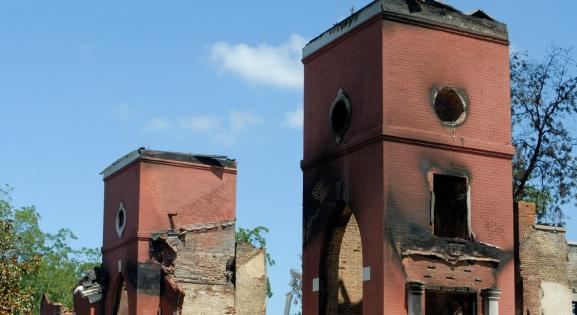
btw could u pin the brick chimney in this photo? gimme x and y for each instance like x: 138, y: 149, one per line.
x: 525, y: 218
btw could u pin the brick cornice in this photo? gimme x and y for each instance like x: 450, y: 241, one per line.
x: 390, y: 135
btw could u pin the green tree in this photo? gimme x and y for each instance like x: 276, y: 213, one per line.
x: 296, y: 286
x: 14, y: 297
x: 256, y: 238
x: 543, y: 103
x: 55, y: 266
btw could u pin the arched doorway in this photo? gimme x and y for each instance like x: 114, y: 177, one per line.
x: 120, y: 306
x: 342, y: 289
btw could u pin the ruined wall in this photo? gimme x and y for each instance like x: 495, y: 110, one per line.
x: 572, y: 268
x: 203, y: 268
x: 250, y: 280
x: 543, y: 266
x: 47, y: 307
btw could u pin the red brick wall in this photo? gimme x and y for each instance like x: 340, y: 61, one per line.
x: 199, y: 194
x: 83, y: 307
x: 417, y: 59
x: 389, y: 69
x: 123, y: 187
x: 149, y: 190
x: 353, y: 65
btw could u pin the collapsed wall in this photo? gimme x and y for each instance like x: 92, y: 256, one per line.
x: 169, y: 241
x: 546, y: 266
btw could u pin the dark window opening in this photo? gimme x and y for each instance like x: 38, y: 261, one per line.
x: 574, y: 308
x: 340, y: 116
x: 449, y: 106
x: 120, y: 218
x: 450, y: 208
x: 120, y: 306
x: 449, y: 303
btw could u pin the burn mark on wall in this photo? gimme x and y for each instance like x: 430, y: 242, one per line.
x: 148, y: 281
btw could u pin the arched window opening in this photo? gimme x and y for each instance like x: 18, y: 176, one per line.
x: 343, y: 268
x: 120, y: 306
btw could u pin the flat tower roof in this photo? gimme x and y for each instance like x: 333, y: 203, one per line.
x: 418, y: 12
x: 142, y: 153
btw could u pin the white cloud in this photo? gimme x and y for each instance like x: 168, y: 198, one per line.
x: 225, y: 130
x: 123, y: 111
x: 264, y: 64
x: 294, y: 119
x: 199, y: 123
x: 238, y: 123
x: 157, y: 124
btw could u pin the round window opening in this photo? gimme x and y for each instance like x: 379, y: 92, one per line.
x: 340, y: 116
x: 120, y: 220
x: 450, y: 106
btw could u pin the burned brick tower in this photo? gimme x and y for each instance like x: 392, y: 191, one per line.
x: 169, y: 241
x: 407, y: 201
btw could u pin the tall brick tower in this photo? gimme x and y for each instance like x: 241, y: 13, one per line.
x: 154, y: 195
x: 407, y: 198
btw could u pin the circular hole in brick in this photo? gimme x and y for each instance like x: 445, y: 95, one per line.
x: 450, y: 106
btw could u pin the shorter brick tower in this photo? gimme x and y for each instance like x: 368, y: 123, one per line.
x: 169, y: 241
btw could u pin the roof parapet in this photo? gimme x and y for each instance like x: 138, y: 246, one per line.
x: 142, y: 153
x: 429, y: 12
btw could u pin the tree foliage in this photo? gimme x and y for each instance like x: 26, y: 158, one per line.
x: 543, y: 102
x: 14, y: 297
x: 296, y: 285
x: 255, y: 237
x: 38, y: 262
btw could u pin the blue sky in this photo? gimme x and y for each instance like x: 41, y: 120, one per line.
x: 84, y: 82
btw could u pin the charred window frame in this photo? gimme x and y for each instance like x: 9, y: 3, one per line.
x: 456, y: 302
x: 450, y: 104
x: 340, y: 115
x: 450, y: 208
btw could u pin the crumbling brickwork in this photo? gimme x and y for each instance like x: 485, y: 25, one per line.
x: 169, y: 241
x: 344, y: 268
x: 572, y: 268
x: 545, y: 267
x: 250, y: 280
x: 203, y: 269
x: 47, y: 307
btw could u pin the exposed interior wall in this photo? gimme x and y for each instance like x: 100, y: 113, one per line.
x: 203, y: 269
x: 572, y: 269
x: 250, y: 280
x: 343, y: 288
x: 555, y: 298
